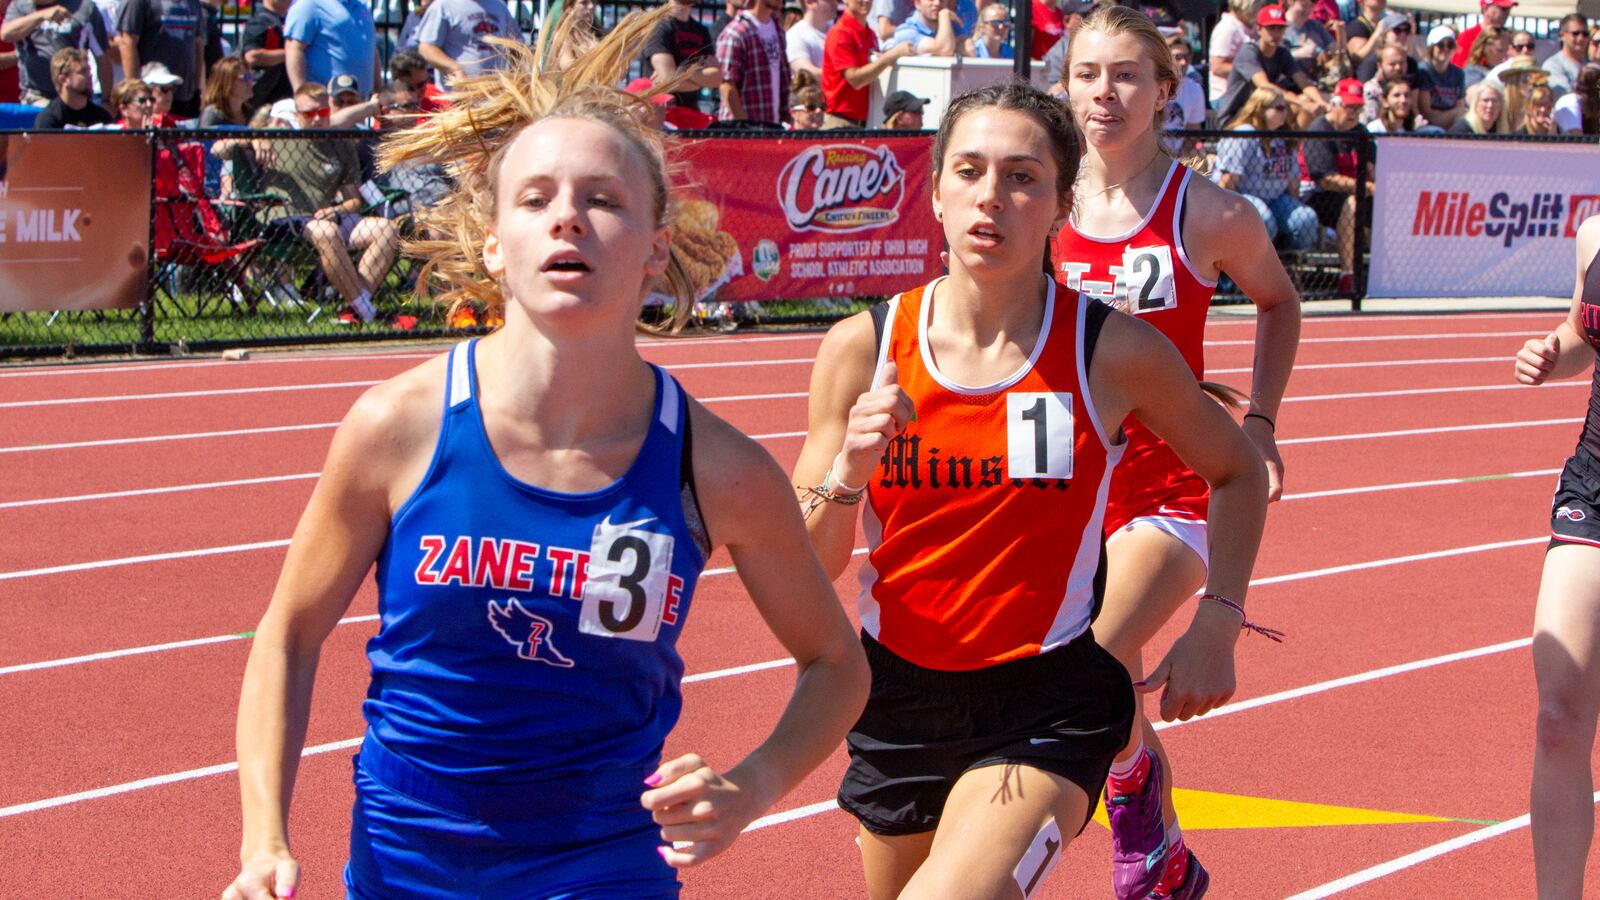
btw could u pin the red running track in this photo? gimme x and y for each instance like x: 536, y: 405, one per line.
x: 146, y: 505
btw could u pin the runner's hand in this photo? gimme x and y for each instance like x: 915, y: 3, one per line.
x: 1537, y: 359
x: 1260, y: 434
x: 1197, y: 673
x: 877, y: 416
x: 265, y: 876
x: 696, y: 806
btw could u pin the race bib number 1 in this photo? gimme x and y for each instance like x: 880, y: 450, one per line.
x: 1039, y: 435
x: 1147, y: 275
x: 627, y: 587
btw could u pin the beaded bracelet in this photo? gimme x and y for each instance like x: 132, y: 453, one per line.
x: 1270, y: 424
x: 1245, y: 623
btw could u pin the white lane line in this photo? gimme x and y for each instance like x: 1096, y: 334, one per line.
x: 156, y: 438
x: 792, y: 815
x: 1396, y: 560
x: 1409, y: 485
x: 1412, y: 392
x: 288, y: 388
x: 1382, y: 363
x: 1345, y: 318
x: 1421, y: 856
x: 171, y: 489
x: 136, y: 560
x: 1348, y: 680
x: 156, y: 781
x: 92, y: 369
x: 1434, y: 336
x: 1417, y: 432
x: 804, y: 811
x: 182, y: 395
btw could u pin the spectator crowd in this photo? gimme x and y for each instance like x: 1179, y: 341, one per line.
x: 1332, y: 66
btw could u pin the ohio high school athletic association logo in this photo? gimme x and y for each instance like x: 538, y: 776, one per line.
x: 841, y: 188
x: 530, y: 633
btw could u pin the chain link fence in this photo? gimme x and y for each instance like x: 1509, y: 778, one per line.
x: 291, y: 237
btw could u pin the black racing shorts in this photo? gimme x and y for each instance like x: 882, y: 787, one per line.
x: 1068, y: 712
x: 1575, y: 510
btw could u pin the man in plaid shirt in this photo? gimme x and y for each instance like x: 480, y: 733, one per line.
x: 755, y: 65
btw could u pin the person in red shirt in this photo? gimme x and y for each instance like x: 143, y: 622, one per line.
x: 1495, y: 14
x: 848, y: 68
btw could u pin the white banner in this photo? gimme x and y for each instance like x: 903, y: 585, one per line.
x: 1479, y: 218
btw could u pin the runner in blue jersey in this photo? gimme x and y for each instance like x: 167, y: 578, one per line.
x: 539, y: 505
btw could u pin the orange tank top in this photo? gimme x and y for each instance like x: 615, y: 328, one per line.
x: 983, y: 520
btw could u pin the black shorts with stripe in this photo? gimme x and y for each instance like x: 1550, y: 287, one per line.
x: 1575, y: 510
x: 1067, y: 712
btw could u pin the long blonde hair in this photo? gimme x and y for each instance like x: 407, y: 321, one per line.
x: 486, y: 114
x: 1479, y: 126
x: 1254, y: 115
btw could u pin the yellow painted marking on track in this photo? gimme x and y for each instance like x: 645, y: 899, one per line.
x: 1201, y: 810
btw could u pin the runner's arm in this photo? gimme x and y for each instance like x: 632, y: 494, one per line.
x: 339, y: 535
x: 1234, y: 240
x: 746, y: 500
x: 1138, y: 372
x: 840, y: 381
x: 1564, y: 352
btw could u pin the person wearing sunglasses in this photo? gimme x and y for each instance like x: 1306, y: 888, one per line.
x: 808, y: 109
x: 1442, y: 84
x: 1396, y: 30
x: 993, y: 37
x: 319, y: 182
x: 132, y: 98
x: 1262, y: 169
x: 1495, y: 14
x: 1565, y: 64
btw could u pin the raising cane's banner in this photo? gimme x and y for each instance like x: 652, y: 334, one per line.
x: 1479, y: 218
x: 801, y: 217
x: 74, y: 220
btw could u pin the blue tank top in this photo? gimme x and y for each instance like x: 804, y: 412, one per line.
x: 529, y: 635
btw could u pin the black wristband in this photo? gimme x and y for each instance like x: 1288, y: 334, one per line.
x: 1270, y: 424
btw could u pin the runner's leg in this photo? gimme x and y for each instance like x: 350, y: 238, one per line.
x: 991, y: 819
x: 890, y: 862
x: 1566, y: 662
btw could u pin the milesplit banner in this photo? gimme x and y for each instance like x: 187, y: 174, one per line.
x: 1471, y: 218
x: 806, y: 217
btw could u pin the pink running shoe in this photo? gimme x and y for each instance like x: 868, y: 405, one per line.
x: 1138, y: 836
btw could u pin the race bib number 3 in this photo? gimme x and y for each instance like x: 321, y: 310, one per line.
x: 627, y: 587
x: 1147, y: 277
x: 1039, y: 435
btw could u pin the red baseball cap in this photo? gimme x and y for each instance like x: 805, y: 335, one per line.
x: 1271, y: 14
x: 1506, y: 3
x: 1349, y: 92
x: 641, y: 86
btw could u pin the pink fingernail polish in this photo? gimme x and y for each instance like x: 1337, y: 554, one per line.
x: 653, y: 780
x: 287, y: 893
x: 663, y: 852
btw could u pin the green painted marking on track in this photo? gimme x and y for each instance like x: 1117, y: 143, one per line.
x: 1483, y: 478
x: 251, y: 634
x: 1477, y: 821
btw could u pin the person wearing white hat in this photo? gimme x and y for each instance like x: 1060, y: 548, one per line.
x: 163, y: 84
x: 1441, y: 84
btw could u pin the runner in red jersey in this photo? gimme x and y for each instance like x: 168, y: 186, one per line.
x: 1150, y: 238
x: 977, y: 420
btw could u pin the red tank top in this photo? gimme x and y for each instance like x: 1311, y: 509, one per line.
x: 1145, y: 272
x: 983, y: 519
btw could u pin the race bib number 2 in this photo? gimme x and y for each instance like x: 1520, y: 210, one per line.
x: 1039, y: 435
x: 1147, y: 277
x: 627, y: 588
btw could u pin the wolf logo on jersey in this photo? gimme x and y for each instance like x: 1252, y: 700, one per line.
x: 530, y: 633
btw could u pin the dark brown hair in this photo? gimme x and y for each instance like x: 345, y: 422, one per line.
x: 1049, y: 113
